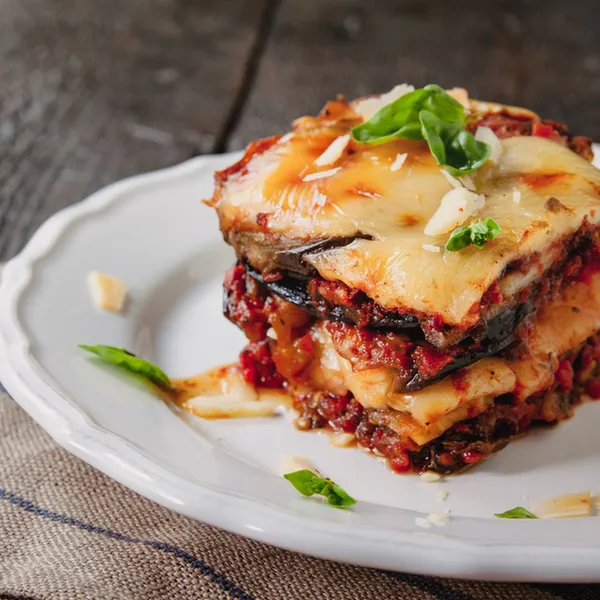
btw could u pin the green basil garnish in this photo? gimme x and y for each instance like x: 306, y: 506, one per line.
x: 309, y: 483
x: 130, y: 362
x: 516, y: 513
x: 476, y: 233
x: 432, y: 115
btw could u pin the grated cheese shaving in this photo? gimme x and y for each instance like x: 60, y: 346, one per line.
x: 430, y: 248
x: 442, y: 495
x: 455, y: 183
x: 339, y: 439
x: 430, y: 476
x: 398, y: 162
x: 565, y: 506
x: 334, y: 151
x: 369, y: 106
x: 320, y: 174
x: 456, y: 207
x: 467, y: 181
x: 108, y: 293
x: 485, y: 134
x: 439, y: 519
x: 286, y: 138
x: 290, y: 463
x: 516, y: 197
x: 271, y: 333
x: 421, y: 522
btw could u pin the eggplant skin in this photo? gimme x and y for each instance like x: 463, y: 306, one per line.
x: 294, y: 290
x: 500, y: 331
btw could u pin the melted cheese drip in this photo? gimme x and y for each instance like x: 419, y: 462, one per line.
x: 222, y: 393
x: 366, y: 196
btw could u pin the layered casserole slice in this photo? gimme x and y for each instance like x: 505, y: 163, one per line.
x: 418, y: 269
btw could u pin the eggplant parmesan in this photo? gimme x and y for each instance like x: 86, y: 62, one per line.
x: 419, y: 269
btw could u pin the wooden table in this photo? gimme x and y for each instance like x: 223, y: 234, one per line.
x: 94, y: 90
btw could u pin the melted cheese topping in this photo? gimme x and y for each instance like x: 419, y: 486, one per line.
x: 366, y: 196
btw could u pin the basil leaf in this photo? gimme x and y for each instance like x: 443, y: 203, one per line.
x: 477, y: 234
x: 432, y: 115
x: 438, y: 134
x: 465, y: 154
x: 516, y: 513
x: 309, y: 484
x: 130, y: 362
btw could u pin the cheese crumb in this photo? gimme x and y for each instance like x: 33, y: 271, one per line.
x: 467, y: 181
x: 339, y: 439
x: 290, y: 463
x: 108, y: 293
x: 398, y: 162
x: 456, y: 207
x: 271, y: 333
x: 567, y: 505
x: 334, y: 151
x: 286, y: 138
x: 439, y: 519
x: 442, y: 495
x: 485, y: 134
x: 430, y: 248
x: 369, y: 106
x: 421, y: 522
x: 430, y: 476
x: 321, y: 174
x: 516, y: 197
x: 455, y: 183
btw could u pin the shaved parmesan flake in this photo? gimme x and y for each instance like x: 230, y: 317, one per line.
x: 290, y: 463
x: 442, y: 495
x: 439, y: 519
x: 430, y: 248
x: 485, y: 134
x: 286, y: 138
x: 369, y: 106
x: 455, y: 208
x: 108, y: 293
x: 271, y: 333
x: 455, y: 183
x: 421, y: 522
x: 334, y: 151
x: 565, y: 506
x: 467, y: 181
x: 339, y: 439
x: 517, y: 197
x: 398, y: 162
x: 430, y: 476
x: 321, y: 174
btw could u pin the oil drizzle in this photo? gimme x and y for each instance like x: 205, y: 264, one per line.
x: 222, y: 393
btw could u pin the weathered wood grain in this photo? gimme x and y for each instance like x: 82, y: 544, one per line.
x: 540, y: 53
x: 93, y: 91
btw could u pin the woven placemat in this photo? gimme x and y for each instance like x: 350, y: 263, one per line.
x: 68, y: 531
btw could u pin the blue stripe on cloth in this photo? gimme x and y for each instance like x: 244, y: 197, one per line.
x: 430, y: 585
x: 224, y: 582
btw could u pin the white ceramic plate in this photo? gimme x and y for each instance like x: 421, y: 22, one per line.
x: 154, y: 233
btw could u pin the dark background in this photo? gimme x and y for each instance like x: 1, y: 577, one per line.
x: 94, y: 90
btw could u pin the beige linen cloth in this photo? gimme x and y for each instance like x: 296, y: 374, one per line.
x: 69, y: 532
